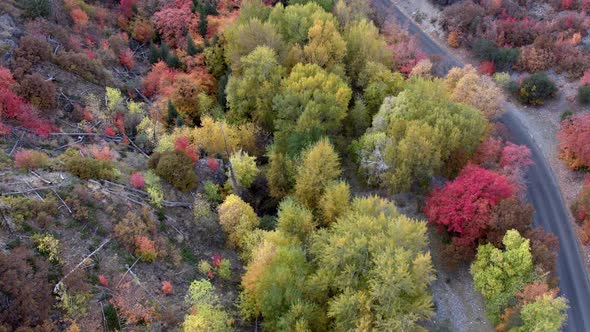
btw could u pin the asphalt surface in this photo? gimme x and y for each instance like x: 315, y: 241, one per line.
x: 542, y: 190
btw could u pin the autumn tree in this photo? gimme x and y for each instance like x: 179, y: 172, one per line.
x: 573, y: 136
x: 335, y: 202
x: 172, y: 24
x: 545, y: 313
x: 360, y: 260
x: 206, y: 311
x: 294, y: 21
x: 463, y: 207
x: 244, y: 168
x: 499, y: 274
x: 242, y: 39
x: 295, y: 220
x: 325, y: 47
x: 250, y: 91
x: 364, y: 43
x: 175, y: 167
x: 479, y: 91
x: 418, y: 134
x: 311, y: 103
x: 320, y: 166
x: 379, y: 82
x: 237, y: 219
x: 280, y: 173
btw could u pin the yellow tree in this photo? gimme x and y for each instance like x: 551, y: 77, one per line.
x: 325, y: 47
x: 237, y: 219
x: 319, y: 168
x: 479, y: 91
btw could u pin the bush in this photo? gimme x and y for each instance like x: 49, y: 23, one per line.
x: 502, y: 57
x: 573, y: 137
x: 137, y: 180
x: 22, y: 209
x: 145, y: 249
x: 30, y: 159
x: 88, y: 168
x: 81, y: 64
x: 212, y: 192
x: 175, y: 167
x: 39, y: 92
x: 167, y: 288
x: 536, y: 89
x: 36, y: 8
x: 48, y: 245
x: 584, y: 94
x: 30, y: 52
x: 201, y: 209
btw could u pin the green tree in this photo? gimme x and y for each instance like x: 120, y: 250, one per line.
x: 295, y: 220
x: 546, y: 313
x: 379, y: 82
x: 312, y: 103
x: 418, y: 134
x: 207, y: 314
x: 325, y: 47
x: 327, y: 5
x: 191, y: 49
x: 364, y: 43
x: 375, y: 263
x: 280, y: 174
x: 237, y: 219
x: 294, y: 22
x: 320, y: 166
x: 250, y: 91
x: 499, y: 274
x: 244, y: 167
x: 242, y: 39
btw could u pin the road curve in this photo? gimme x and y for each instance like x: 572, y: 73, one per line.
x: 542, y: 190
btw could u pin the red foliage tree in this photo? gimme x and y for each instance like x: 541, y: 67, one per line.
x: 585, y: 80
x: 463, y: 207
x: 126, y: 59
x: 6, y: 78
x: 574, y: 138
x: 126, y: 7
x: 172, y: 24
x: 487, y: 68
x: 159, y: 78
x: 137, y: 180
x: 167, y: 288
x: 80, y: 17
x: 566, y: 4
x: 488, y: 153
x: 182, y: 144
x: 109, y: 131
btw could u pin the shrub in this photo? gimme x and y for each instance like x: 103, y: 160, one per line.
x: 502, y: 79
x: 104, y: 282
x: 30, y: 159
x: 137, y: 180
x: 453, y: 39
x: 167, y: 287
x: 145, y: 249
x: 22, y: 209
x: 201, y: 209
x: 224, y: 269
x: 81, y: 64
x: 536, y: 89
x: 584, y: 94
x: 244, y: 167
x: 133, y: 226
x: 212, y: 192
x: 237, y: 219
x: 48, y: 245
x: 487, y: 68
x: 36, y: 8
x: 206, y: 268
x: 573, y: 137
x: 534, y: 59
x: 126, y: 59
x: 30, y: 52
x: 38, y: 91
x: 503, y: 57
x: 213, y: 164
x: 175, y: 167
x: 88, y: 168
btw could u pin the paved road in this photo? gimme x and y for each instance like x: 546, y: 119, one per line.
x: 542, y: 192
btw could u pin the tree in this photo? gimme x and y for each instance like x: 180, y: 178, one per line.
x: 207, y: 314
x: 250, y: 91
x: 509, y: 213
x: 325, y: 47
x: 379, y: 82
x: 191, y: 49
x: 499, y: 274
x: 280, y: 174
x: 335, y: 202
x: 244, y: 167
x: 320, y: 166
x: 79, y: 17
x: 311, y: 103
x: 418, y: 134
x: 237, y: 219
x: 242, y: 39
x: 466, y: 86
x: 37, y: 8
x: 172, y: 24
x: 573, y: 136
x: 295, y: 220
x: 463, y: 207
x: 368, y: 258
x: 546, y: 313
x: 294, y: 21
x: 363, y: 43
